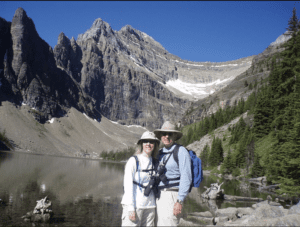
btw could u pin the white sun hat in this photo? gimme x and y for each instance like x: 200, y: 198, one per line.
x: 148, y: 136
x: 168, y: 127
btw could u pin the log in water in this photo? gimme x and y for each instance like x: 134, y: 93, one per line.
x: 241, y: 198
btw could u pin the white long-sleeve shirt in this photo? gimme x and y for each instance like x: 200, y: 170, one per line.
x: 133, y: 194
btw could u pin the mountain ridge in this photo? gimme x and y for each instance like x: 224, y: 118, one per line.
x: 122, y: 75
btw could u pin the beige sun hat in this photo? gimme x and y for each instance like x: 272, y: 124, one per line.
x: 148, y: 136
x: 168, y: 127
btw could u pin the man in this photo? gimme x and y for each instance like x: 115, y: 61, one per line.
x: 174, y: 191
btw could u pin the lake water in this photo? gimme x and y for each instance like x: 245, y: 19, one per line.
x: 83, y: 192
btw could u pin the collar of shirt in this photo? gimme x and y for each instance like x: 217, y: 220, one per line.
x: 169, y: 149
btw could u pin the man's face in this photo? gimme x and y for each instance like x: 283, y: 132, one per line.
x: 168, y: 138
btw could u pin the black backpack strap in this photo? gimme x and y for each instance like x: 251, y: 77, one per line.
x: 175, y: 153
x: 168, y: 186
x: 140, y: 185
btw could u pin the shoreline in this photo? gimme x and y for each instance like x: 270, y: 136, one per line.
x: 20, y: 151
x: 123, y: 162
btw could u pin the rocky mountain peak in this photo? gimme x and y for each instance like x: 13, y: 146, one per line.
x: 135, y: 35
x: 73, y: 41
x: 63, y: 40
x: 99, y: 27
x: 20, y: 15
x: 97, y: 23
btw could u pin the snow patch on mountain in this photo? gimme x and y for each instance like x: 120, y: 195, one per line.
x: 128, y: 126
x: 196, y: 90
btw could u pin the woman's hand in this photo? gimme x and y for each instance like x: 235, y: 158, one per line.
x: 132, y: 215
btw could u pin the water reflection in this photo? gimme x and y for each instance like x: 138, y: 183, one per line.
x: 83, y: 211
x: 79, y: 189
x: 67, y: 177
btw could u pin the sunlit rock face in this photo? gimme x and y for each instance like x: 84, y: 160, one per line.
x: 134, y: 80
x: 281, y: 39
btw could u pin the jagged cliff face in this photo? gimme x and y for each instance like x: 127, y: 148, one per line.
x: 135, y: 80
x: 29, y: 73
x: 124, y: 75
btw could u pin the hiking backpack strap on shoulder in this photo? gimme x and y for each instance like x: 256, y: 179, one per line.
x: 137, y: 162
x: 175, y: 153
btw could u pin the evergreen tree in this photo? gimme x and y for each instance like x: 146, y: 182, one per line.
x: 211, y: 158
x: 250, y: 150
x: 293, y: 23
x: 241, y: 150
x: 212, y: 123
x: 250, y: 103
x: 282, y: 162
x: 216, y: 154
x: 204, y: 156
x: 256, y: 170
x: 189, y: 136
x: 228, y: 164
x: 241, y: 104
x: 263, y: 113
x: 237, y: 131
x: 220, y: 151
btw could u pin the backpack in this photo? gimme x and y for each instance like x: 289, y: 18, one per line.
x: 197, y: 172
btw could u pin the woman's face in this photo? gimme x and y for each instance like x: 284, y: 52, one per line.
x: 148, y: 147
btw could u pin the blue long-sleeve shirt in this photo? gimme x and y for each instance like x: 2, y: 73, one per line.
x: 183, y: 170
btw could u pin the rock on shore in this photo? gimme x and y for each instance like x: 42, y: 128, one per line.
x: 260, y: 214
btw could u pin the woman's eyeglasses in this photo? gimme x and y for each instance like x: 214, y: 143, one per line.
x: 167, y: 133
x: 149, y: 141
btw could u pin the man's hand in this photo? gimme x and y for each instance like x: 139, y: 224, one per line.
x: 132, y: 215
x: 177, y: 209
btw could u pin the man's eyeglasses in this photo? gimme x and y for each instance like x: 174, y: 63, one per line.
x: 149, y: 141
x: 167, y: 133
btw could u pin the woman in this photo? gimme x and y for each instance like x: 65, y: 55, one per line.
x: 139, y: 209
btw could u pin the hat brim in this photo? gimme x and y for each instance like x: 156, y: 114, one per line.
x: 140, y: 140
x: 158, y: 132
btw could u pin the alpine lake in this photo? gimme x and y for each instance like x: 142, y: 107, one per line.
x: 84, y: 192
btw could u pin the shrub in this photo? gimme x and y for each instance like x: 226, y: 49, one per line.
x: 236, y: 172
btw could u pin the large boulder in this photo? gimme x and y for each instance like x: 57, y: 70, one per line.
x: 295, y: 209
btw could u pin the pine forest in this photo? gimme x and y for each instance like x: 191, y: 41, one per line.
x: 275, y: 106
